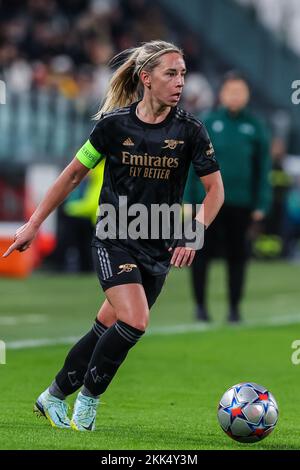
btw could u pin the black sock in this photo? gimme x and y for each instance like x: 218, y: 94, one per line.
x: 70, y: 377
x: 110, y: 352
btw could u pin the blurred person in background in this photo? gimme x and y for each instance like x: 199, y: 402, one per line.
x: 242, y: 146
x: 291, y: 226
x: 274, y: 237
x: 198, y: 95
x: 269, y: 238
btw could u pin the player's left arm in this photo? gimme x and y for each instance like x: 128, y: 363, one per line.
x: 207, y: 169
x: 213, y: 201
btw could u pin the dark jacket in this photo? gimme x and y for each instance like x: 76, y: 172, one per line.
x: 241, y: 147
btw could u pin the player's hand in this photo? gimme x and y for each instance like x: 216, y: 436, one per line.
x: 22, y: 239
x: 182, y: 256
x: 183, y: 249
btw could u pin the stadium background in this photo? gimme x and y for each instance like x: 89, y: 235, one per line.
x: 53, y: 67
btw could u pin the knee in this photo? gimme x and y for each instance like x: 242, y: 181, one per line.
x: 107, y: 315
x: 141, y: 324
x: 138, y: 320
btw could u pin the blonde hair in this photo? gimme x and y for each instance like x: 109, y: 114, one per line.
x: 125, y: 86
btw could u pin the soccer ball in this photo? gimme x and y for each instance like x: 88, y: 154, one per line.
x: 247, y: 412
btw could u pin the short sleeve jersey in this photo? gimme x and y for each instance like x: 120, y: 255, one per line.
x: 147, y: 163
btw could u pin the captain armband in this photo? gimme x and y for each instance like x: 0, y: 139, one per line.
x: 88, y: 155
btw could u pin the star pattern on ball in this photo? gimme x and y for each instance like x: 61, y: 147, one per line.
x: 235, y: 409
x: 247, y: 412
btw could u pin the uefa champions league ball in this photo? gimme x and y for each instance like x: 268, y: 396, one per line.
x: 247, y: 412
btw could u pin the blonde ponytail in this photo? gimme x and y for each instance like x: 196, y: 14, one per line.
x: 125, y: 86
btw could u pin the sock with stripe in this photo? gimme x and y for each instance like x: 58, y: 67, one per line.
x: 110, y: 352
x: 70, y: 377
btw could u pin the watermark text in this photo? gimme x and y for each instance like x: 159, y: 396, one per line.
x: 296, y: 94
x: 154, y: 222
x: 295, y: 358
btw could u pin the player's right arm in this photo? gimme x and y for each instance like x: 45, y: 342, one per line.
x: 61, y: 188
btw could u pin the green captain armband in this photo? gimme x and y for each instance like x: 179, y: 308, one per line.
x: 88, y: 155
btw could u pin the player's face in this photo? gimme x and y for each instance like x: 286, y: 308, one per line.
x: 167, y: 79
x: 234, y: 95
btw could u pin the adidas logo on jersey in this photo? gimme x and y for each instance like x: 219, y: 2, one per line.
x: 128, y: 142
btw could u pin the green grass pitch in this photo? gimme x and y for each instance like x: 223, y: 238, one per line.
x: 165, y: 395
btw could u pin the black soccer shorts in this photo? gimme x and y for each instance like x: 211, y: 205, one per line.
x: 115, y: 266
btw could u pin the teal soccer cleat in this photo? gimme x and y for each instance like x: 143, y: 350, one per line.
x: 84, y: 414
x: 54, y: 409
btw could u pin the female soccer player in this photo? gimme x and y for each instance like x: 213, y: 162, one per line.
x: 148, y: 144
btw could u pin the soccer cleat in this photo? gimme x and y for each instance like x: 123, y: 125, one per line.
x: 84, y: 414
x: 52, y: 408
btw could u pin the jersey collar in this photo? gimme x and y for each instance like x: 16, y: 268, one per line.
x: 147, y: 124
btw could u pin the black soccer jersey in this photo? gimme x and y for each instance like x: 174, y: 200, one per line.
x: 148, y: 164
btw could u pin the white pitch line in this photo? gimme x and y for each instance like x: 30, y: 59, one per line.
x: 13, y: 320
x: 164, y: 330
x: 36, y: 343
